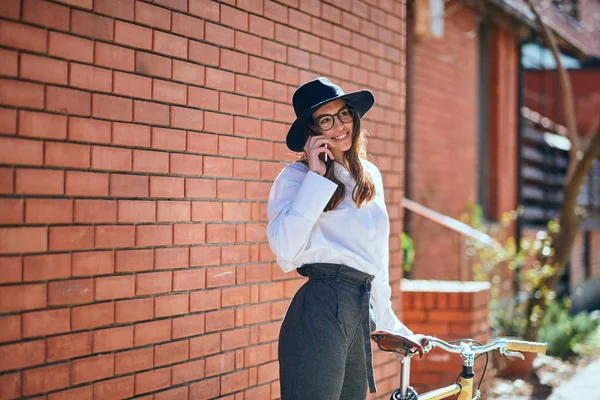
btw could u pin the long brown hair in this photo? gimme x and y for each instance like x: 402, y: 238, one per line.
x: 364, y: 191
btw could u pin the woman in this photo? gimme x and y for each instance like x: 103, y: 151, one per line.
x: 328, y: 220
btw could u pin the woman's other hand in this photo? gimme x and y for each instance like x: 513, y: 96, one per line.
x: 315, y: 145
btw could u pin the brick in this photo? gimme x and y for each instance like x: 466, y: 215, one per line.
x: 222, y: 276
x: 247, y: 43
x: 42, y: 69
x: 202, y: 142
x: 152, y: 332
x: 93, y: 263
x: 11, y: 9
x: 112, y: 339
x: 7, y: 184
x: 90, y: 78
x: 92, y: 368
x: 129, y: 185
x: 84, y: 392
x: 188, y: 72
x: 234, y: 18
x: 70, y: 238
x: 187, y: 25
x: 173, y: 211
x: 10, y: 268
x: 205, y: 300
x: 70, y: 292
x: 152, y: 380
x: 47, y: 322
x: 45, y: 267
x: 133, y: 35
x: 171, y: 45
x: 206, y: 389
x: 188, y: 280
x: 153, y: 282
x: 246, y: 169
x: 152, y: 15
x: 11, y: 211
x: 232, y: 297
x: 261, y: 67
x: 203, y: 98
x: 204, y: 53
x: 151, y: 113
x: 169, y: 258
x: 114, y: 236
x: 201, y: 188
x: 134, y: 360
x: 37, y: 124
x: 234, y: 104
x: 150, y: 161
x: 247, y: 85
x: 8, y: 121
x: 134, y: 310
x: 92, y: 25
x: 153, y: 235
x: 239, y: 380
x: 122, y: 9
x: 24, y: 354
x: 95, y: 211
x: 187, y: 164
x: 261, y: 27
x: 219, y: 364
x: 66, y: 155
x: 274, y: 51
x: 21, y: 94
x: 114, y: 57
x: 169, y: 92
x: 131, y: 134
x: 112, y: 107
x: 68, y: 101
x: 189, y: 371
x: 92, y: 316
x: 68, y: 346
x: 205, y: 9
x: 298, y: 58
x: 217, y: 166
x: 70, y: 47
x: 118, y: 388
x: 23, y: 240
x: 187, y: 118
x: 134, y: 260
x: 21, y: 151
x: 219, y: 123
x: 165, y: 306
x: 233, y: 146
x: 152, y: 65
x: 166, y: 187
x: 89, y: 130
x: 231, y: 189
x: 109, y: 158
x: 109, y: 288
x: 286, y: 74
x: 24, y: 297
x: 248, y: 127
x: 20, y: 36
x: 189, y: 234
x: 135, y: 211
x: 207, y: 211
x: 220, y: 80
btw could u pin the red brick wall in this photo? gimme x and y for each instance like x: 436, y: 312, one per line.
x: 449, y: 311
x: 138, y: 142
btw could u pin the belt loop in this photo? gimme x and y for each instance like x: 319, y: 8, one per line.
x: 338, y: 274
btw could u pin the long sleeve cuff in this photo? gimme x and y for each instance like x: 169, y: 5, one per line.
x: 313, y: 195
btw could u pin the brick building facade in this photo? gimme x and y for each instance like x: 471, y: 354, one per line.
x: 138, y: 143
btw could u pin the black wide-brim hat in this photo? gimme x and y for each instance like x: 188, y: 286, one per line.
x: 316, y: 93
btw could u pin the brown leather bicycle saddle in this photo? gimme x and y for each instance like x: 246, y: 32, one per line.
x: 388, y: 341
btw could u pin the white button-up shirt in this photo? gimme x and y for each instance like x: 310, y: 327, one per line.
x: 299, y: 232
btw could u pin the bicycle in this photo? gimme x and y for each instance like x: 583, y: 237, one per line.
x: 463, y: 386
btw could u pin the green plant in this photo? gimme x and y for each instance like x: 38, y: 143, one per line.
x: 408, y: 251
x: 566, y: 334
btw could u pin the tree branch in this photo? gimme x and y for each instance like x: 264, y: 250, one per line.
x: 566, y: 89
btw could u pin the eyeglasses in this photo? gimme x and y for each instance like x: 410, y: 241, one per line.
x: 327, y: 121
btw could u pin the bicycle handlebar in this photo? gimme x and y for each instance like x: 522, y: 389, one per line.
x: 500, y: 344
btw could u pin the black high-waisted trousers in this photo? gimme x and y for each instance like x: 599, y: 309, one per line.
x: 324, y: 345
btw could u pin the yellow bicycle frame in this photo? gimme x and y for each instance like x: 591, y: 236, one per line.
x: 464, y: 387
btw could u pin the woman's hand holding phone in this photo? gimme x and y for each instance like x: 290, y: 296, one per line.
x: 315, y: 147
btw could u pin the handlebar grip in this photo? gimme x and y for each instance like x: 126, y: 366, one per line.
x: 530, y: 347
